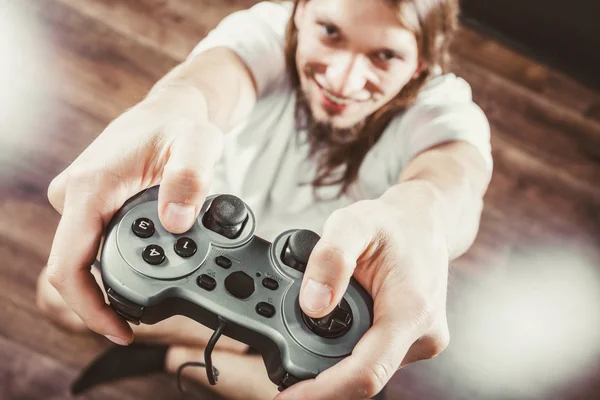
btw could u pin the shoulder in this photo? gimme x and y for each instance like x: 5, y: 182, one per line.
x: 443, y: 111
x: 445, y: 88
x: 445, y: 101
x: 257, y: 35
x: 274, y: 10
x: 268, y: 17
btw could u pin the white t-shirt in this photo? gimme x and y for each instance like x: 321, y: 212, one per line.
x: 265, y: 161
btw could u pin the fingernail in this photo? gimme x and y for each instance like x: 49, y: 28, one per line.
x: 179, y: 217
x: 117, y: 340
x: 316, y: 295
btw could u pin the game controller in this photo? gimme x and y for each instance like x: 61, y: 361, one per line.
x: 226, y: 278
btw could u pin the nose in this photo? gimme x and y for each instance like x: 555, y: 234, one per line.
x: 347, y: 73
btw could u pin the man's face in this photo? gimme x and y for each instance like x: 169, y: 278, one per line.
x: 353, y: 57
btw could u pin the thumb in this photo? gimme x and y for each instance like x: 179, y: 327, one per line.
x: 332, y: 262
x: 187, y: 174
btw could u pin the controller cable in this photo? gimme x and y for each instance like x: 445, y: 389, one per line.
x: 212, y: 373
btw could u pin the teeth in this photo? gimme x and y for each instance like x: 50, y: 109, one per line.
x: 336, y: 99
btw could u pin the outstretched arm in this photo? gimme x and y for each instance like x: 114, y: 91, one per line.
x: 398, y: 247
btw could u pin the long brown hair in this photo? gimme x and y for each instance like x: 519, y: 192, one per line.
x: 340, y: 152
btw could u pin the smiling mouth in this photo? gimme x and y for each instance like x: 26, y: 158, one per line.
x: 335, y: 99
x: 341, y: 101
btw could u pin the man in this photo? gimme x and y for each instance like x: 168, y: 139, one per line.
x: 331, y: 115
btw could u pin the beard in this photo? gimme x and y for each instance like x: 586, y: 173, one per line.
x: 323, y: 133
x: 337, y: 152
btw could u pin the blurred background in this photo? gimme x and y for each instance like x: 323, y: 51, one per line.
x: 524, y: 302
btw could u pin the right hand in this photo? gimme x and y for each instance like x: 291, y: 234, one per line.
x: 149, y: 144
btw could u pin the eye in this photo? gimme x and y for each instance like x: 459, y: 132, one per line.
x: 386, y: 55
x: 330, y: 30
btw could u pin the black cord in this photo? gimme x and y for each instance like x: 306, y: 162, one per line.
x: 212, y: 373
x: 209, y: 349
x: 190, y: 364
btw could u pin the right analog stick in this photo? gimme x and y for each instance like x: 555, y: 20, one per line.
x: 298, y: 247
x: 335, y: 324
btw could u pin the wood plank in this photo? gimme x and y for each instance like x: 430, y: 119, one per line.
x: 172, y: 27
x: 22, y: 259
x: 25, y: 374
x: 101, y: 56
x: 97, y: 62
x: 502, y: 61
x: 537, y: 198
x: 71, y: 353
x: 550, y: 173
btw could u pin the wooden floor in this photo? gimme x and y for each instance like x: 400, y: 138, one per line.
x: 522, y: 302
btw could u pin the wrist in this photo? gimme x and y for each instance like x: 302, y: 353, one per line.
x: 178, y: 100
x: 421, y: 204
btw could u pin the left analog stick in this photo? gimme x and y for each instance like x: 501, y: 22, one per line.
x: 226, y: 216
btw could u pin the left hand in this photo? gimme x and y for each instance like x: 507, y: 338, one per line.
x: 396, y: 248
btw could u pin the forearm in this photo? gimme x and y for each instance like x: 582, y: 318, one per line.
x: 214, y: 85
x: 445, y: 185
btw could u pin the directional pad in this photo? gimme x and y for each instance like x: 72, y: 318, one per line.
x: 333, y: 325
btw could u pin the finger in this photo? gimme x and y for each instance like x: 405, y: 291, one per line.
x: 177, y: 330
x: 73, y: 252
x: 427, y: 347
x: 54, y: 307
x: 187, y: 175
x: 333, y: 260
x: 56, y: 191
x: 373, y: 362
x: 184, y: 331
x: 241, y: 376
x: 432, y: 343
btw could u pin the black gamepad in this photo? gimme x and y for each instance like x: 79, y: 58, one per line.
x: 223, y: 276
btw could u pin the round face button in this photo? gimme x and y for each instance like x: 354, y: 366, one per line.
x: 143, y: 227
x: 153, y: 254
x: 185, y: 247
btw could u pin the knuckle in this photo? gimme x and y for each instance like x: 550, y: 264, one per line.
x: 436, y: 344
x: 374, y: 377
x: 335, y: 218
x: 97, y: 187
x: 441, y: 343
x: 55, y: 188
x: 45, y: 301
x: 347, y: 217
x: 57, y: 276
x: 44, y: 304
x: 81, y: 175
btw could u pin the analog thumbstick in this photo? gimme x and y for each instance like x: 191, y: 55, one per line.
x: 226, y: 216
x: 333, y: 325
x: 298, y: 247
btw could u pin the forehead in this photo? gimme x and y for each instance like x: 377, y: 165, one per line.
x: 375, y: 21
